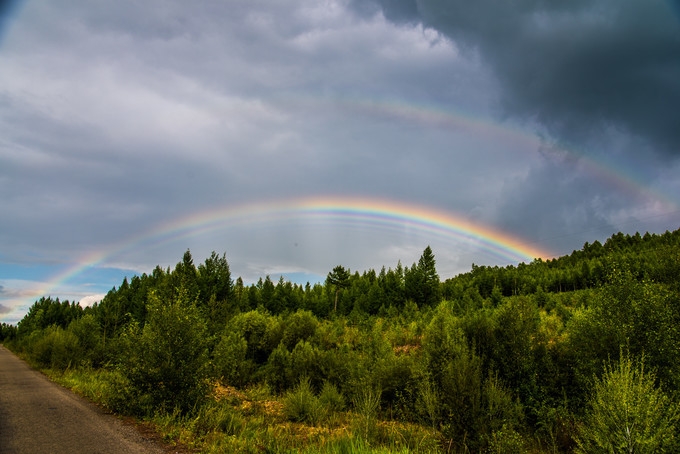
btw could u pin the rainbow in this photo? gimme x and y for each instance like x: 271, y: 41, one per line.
x: 598, y: 166
x: 372, y: 213
x: 380, y: 213
x: 376, y: 213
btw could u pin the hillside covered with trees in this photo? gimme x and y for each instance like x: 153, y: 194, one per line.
x: 575, y: 354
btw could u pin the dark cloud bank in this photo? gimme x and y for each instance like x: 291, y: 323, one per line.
x: 577, y: 67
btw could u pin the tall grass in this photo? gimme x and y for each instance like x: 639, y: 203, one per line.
x: 255, y: 421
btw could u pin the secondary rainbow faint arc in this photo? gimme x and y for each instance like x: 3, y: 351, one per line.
x: 368, y: 210
x: 437, y: 116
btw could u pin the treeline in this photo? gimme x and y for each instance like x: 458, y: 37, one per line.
x: 579, y: 353
x: 648, y: 257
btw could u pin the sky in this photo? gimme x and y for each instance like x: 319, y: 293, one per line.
x: 297, y: 135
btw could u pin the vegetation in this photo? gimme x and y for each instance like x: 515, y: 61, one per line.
x: 575, y: 354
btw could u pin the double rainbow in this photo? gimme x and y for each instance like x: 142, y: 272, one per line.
x: 372, y: 213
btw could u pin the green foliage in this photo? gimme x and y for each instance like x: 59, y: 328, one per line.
x: 304, y: 362
x: 261, y: 332
x: 457, y: 397
x: 629, y: 413
x: 301, y: 405
x: 229, y: 360
x: 167, y: 361
x: 338, y: 278
x: 47, y: 312
x: 429, y: 403
x: 299, y: 326
x: 7, y: 332
x: 513, y: 352
x: 330, y: 398
x: 421, y: 281
x: 506, y: 441
x: 54, y: 348
x: 366, y: 401
x: 214, y: 280
x: 279, y: 372
x: 505, y: 364
x: 87, y: 331
x: 639, y: 316
x: 217, y: 417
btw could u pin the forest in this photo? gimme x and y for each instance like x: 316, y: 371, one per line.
x: 575, y: 354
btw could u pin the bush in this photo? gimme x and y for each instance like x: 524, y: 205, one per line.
x: 87, y: 331
x: 330, y: 398
x: 229, y: 360
x: 304, y: 363
x: 300, y: 326
x: 628, y: 413
x: 167, y: 362
x: 301, y: 405
x: 278, y: 369
x: 506, y: 441
x: 54, y: 348
x: 262, y: 333
x: 66, y: 350
x: 428, y: 403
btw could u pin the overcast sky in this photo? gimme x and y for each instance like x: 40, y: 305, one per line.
x: 555, y: 123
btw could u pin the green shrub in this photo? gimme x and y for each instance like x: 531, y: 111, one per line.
x: 301, y: 405
x: 330, y: 398
x: 506, y: 441
x: 300, y: 326
x: 54, y: 348
x: 628, y: 413
x: 278, y: 370
x: 366, y: 401
x: 428, y: 403
x: 229, y: 360
x: 304, y: 363
x: 167, y: 362
x: 87, y: 331
x: 262, y: 333
x: 66, y: 350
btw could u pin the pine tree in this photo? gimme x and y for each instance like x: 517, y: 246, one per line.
x: 422, y: 281
x: 339, y: 278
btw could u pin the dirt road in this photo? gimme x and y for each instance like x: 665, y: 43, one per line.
x: 37, y: 416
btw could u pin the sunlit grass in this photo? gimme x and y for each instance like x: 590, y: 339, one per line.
x: 95, y: 384
x: 255, y: 421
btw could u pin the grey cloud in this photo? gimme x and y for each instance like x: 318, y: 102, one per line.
x: 4, y: 309
x: 577, y: 66
x: 559, y: 206
x: 116, y: 118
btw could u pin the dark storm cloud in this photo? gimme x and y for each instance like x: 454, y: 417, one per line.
x: 6, y: 9
x: 575, y: 67
x: 557, y: 207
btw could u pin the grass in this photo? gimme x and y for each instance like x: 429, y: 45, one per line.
x: 96, y: 385
x: 255, y: 421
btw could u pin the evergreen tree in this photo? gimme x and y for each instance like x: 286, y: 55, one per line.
x: 214, y: 278
x: 422, y: 281
x: 185, y: 277
x: 215, y: 284
x: 338, y: 278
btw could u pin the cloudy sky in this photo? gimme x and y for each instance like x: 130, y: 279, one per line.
x: 133, y: 131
